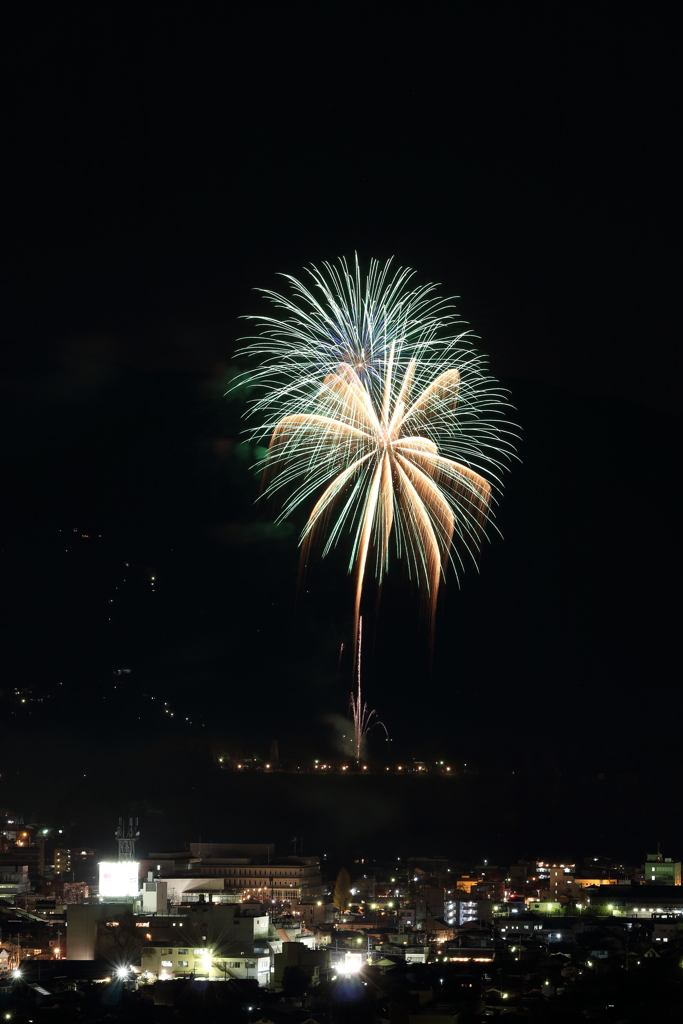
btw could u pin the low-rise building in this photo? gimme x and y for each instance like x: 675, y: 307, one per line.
x: 251, y: 868
x: 296, y: 959
x: 222, y: 961
x: 660, y: 870
x: 641, y: 901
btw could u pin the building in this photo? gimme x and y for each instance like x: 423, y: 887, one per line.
x: 154, y: 897
x: 664, y: 931
x: 223, y: 961
x: 590, y: 883
x: 660, y: 870
x: 461, y: 912
x: 209, y: 940
x: 82, y: 923
x: 523, y: 926
x: 251, y: 868
x: 95, y: 930
x: 298, y: 959
x: 467, y: 882
x: 641, y: 901
x: 543, y: 871
x: 429, y: 903
x: 62, y: 860
x: 13, y: 879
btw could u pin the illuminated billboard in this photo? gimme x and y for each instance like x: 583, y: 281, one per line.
x: 119, y: 879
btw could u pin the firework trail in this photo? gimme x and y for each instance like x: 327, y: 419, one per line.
x: 383, y: 418
x: 362, y: 718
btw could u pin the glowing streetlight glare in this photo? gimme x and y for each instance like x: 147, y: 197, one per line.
x: 351, y: 964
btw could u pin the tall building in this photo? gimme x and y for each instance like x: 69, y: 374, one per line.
x: 461, y: 912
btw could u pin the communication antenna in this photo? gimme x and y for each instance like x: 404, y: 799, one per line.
x: 126, y: 835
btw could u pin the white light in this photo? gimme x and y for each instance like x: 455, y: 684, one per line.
x: 351, y: 964
x: 119, y: 879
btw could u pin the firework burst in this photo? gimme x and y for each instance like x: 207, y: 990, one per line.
x: 383, y: 418
x: 341, y: 316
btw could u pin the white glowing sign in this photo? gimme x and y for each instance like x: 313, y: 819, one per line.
x: 119, y: 879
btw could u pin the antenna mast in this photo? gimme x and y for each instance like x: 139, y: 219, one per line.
x: 126, y: 836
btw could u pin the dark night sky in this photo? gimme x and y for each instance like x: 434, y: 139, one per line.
x: 164, y: 162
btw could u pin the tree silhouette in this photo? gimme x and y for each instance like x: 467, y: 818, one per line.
x: 342, y: 891
x: 119, y: 944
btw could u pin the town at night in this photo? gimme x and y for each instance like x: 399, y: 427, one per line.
x: 340, y: 548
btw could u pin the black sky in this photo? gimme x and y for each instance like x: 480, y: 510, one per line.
x: 163, y: 162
